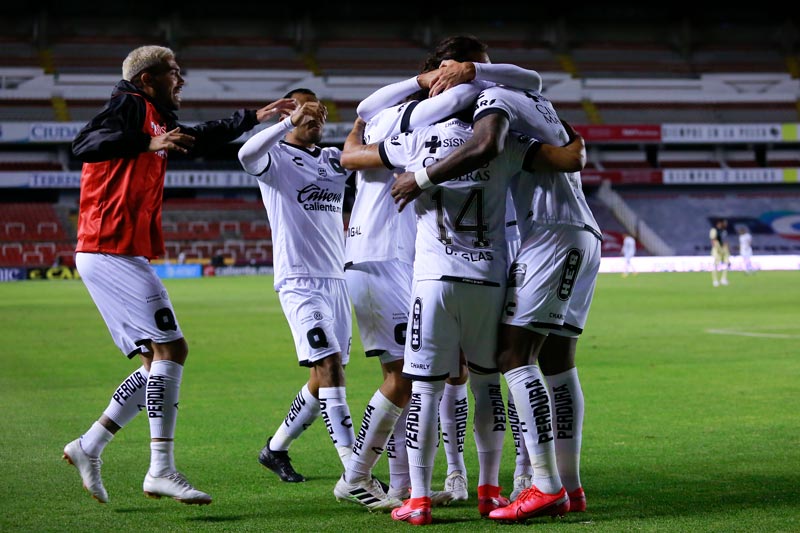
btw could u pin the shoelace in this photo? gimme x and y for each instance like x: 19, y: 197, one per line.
x: 376, y: 487
x: 178, y: 478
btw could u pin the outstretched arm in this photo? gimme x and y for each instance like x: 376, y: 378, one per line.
x: 454, y: 72
x: 393, y: 94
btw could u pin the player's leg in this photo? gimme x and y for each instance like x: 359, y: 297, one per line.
x: 431, y: 356
x: 453, y: 416
x: 523, y: 470
x: 548, y: 265
x: 379, y: 421
x: 163, y: 392
x: 302, y: 413
x: 481, y: 306
x: 380, y: 292
x: 557, y: 361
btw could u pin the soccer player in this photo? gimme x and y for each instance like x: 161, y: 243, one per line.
x: 628, y: 251
x: 720, y: 252
x: 746, y: 248
x: 302, y: 186
x: 380, y: 251
x: 551, y: 284
x: 459, y: 274
x: 124, y: 149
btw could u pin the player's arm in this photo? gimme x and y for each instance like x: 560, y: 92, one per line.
x: 356, y: 155
x: 394, y: 93
x: 254, y: 153
x: 568, y: 158
x: 488, y: 139
x: 452, y: 73
x: 116, y: 132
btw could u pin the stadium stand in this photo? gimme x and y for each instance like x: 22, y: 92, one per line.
x: 638, y: 75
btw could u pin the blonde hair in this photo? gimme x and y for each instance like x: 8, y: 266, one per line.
x: 143, y: 58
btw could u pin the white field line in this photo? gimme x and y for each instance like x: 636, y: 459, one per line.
x: 752, y: 334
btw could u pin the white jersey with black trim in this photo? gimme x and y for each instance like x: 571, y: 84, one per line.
x: 377, y: 232
x: 303, y: 192
x: 461, y: 229
x: 551, y: 197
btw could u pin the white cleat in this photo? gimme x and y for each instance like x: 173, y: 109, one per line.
x: 367, y: 493
x: 520, y: 483
x: 89, y: 469
x: 456, y: 484
x: 174, y: 485
x: 438, y: 497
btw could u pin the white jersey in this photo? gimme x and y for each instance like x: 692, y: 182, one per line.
x: 551, y: 197
x: 377, y: 232
x: 745, y: 244
x: 628, y: 246
x: 303, y: 192
x: 461, y: 232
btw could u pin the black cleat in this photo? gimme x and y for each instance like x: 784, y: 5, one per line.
x: 280, y: 463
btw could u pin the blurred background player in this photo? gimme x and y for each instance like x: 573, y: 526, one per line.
x: 302, y: 187
x: 746, y: 249
x: 628, y: 251
x: 124, y: 149
x: 720, y: 252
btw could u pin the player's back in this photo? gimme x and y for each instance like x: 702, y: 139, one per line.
x: 377, y: 232
x: 544, y: 197
x: 460, y: 223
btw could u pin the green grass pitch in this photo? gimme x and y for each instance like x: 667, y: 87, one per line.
x: 691, y: 424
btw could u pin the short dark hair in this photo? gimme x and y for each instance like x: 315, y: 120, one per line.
x: 456, y: 47
x: 300, y: 90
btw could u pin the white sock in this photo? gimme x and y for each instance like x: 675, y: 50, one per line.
x: 129, y: 398
x: 522, y: 463
x: 397, y: 455
x: 379, y: 420
x: 163, y: 391
x: 453, y: 415
x: 302, y: 413
x: 95, y: 439
x: 533, y: 406
x: 336, y: 414
x: 162, y: 457
x: 489, y: 425
x: 566, y: 402
x: 422, y: 435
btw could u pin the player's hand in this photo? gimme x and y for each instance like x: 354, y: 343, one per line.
x: 172, y: 140
x: 309, y: 111
x: 278, y: 107
x: 405, y: 189
x: 452, y: 73
x: 572, y: 132
x: 426, y: 79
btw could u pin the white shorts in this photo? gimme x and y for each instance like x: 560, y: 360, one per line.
x: 381, y: 293
x: 449, y: 317
x: 552, y: 281
x: 131, y: 299
x: 318, y: 312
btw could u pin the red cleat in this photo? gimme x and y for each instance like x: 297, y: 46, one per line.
x: 577, y: 501
x: 489, y: 499
x: 415, y: 511
x: 532, y: 503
